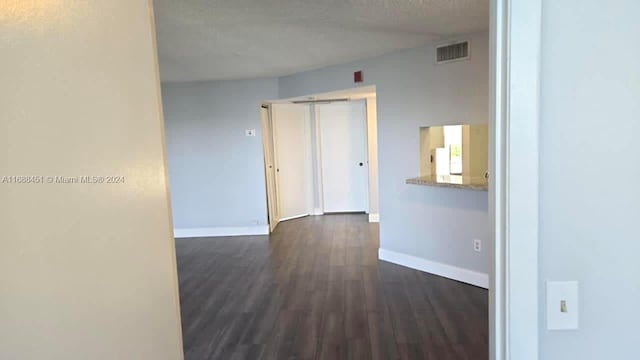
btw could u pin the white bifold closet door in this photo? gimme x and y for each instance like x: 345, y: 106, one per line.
x: 343, y: 152
x: 291, y: 125
x: 270, y: 168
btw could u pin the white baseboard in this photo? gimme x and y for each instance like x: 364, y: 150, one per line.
x: 294, y: 217
x: 221, y: 231
x: 317, y: 211
x: 374, y: 218
x: 451, y: 272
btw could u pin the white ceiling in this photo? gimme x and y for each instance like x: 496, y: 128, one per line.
x: 235, y: 39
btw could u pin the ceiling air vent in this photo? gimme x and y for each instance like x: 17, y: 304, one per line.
x: 452, y: 52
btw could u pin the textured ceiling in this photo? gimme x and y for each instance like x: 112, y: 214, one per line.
x: 235, y: 39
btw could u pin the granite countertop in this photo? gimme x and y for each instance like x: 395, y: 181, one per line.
x: 452, y: 181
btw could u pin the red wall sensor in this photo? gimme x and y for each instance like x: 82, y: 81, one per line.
x: 357, y: 76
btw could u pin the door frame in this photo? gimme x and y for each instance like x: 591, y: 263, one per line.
x: 515, y: 53
x: 318, y: 149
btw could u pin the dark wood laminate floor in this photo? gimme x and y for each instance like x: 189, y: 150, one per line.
x: 315, y: 289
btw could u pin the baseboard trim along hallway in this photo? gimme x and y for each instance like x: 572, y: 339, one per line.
x: 451, y: 272
x: 221, y: 231
x: 374, y: 218
x: 294, y: 217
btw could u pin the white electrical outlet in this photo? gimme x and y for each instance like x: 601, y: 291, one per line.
x: 250, y: 132
x: 562, y: 305
x: 477, y: 245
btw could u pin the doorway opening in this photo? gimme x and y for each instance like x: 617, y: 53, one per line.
x: 513, y: 204
x: 321, y: 155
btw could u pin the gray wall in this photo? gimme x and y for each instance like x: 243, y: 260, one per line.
x: 216, y: 172
x: 589, y: 174
x: 433, y: 223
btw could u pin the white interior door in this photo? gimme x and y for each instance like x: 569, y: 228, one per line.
x: 269, y: 168
x: 291, y: 124
x: 343, y: 153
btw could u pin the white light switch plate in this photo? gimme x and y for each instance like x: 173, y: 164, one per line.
x: 557, y: 293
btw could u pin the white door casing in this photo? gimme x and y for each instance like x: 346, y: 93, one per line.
x: 515, y: 37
